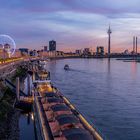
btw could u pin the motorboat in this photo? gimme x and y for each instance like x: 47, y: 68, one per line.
x: 42, y: 62
x: 66, y: 67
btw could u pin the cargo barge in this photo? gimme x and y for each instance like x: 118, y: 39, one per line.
x: 58, y: 118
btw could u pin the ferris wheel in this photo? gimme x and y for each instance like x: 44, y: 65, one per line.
x: 7, y: 44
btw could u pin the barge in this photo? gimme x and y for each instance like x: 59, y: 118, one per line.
x: 59, y: 119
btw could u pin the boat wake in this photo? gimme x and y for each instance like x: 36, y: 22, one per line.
x: 79, y: 71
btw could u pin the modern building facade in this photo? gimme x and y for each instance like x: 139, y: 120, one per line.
x: 100, y: 51
x: 52, y: 45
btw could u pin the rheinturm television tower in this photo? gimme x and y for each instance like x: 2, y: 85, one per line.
x: 109, y: 39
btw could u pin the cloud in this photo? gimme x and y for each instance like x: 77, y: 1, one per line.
x: 75, y: 23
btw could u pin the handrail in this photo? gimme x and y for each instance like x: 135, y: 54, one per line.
x: 87, y: 125
x: 42, y: 120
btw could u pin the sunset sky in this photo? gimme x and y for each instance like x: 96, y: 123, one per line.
x: 74, y: 24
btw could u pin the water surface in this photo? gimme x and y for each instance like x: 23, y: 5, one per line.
x: 26, y: 126
x: 26, y: 120
x: 106, y: 91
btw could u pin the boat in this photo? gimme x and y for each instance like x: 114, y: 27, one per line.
x: 66, y: 67
x: 42, y: 62
x: 62, y: 120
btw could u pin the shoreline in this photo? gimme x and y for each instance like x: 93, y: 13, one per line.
x: 9, y: 128
x: 9, y: 115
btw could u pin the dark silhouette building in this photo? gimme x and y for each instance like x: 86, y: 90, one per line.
x: 24, y: 50
x: 100, y: 51
x: 52, y: 45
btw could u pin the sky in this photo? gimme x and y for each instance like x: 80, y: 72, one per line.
x: 74, y: 24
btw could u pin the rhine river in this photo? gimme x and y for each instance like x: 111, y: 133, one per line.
x: 106, y: 92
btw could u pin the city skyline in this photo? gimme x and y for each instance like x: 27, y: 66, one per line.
x: 73, y: 24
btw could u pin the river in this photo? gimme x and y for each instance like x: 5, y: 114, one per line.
x: 26, y: 126
x: 106, y: 92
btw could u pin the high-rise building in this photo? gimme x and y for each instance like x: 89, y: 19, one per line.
x: 109, y: 40
x: 52, y: 45
x: 100, y: 50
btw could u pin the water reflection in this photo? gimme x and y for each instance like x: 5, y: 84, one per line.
x: 108, y: 64
x: 26, y: 126
x: 28, y: 118
x: 134, y: 69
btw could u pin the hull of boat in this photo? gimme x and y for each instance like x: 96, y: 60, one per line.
x: 58, y: 125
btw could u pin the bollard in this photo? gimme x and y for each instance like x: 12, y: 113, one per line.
x: 17, y: 89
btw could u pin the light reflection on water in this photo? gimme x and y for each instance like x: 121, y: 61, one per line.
x: 26, y: 126
x: 26, y: 122
x: 105, y: 91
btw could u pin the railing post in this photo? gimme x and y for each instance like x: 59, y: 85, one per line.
x: 17, y: 89
x: 29, y: 85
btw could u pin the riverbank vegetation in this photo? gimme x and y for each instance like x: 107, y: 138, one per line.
x: 21, y: 72
x: 6, y: 103
x: 9, y: 116
x: 7, y: 113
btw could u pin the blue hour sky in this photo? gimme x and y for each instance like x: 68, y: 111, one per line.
x: 74, y: 24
